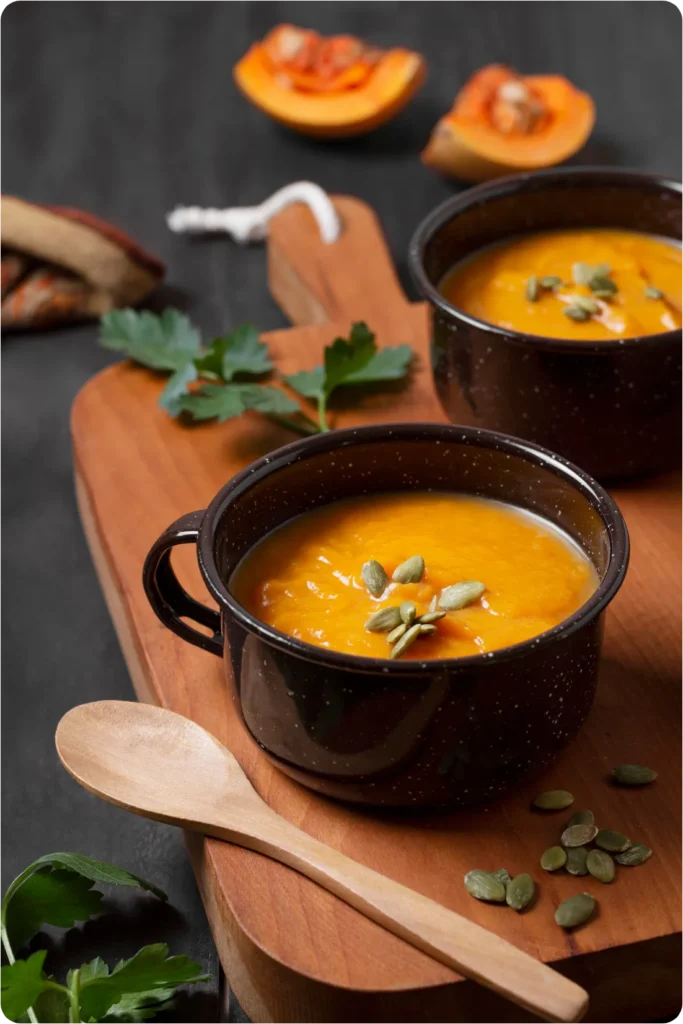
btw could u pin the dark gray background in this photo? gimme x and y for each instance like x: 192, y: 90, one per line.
x: 125, y: 109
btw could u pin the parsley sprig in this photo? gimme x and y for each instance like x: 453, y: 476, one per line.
x: 58, y: 889
x: 225, y: 378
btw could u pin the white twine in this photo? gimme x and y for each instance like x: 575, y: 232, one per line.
x: 250, y: 223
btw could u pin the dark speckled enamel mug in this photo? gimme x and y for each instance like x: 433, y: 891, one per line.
x: 397, y: 733
x: 613, y: 407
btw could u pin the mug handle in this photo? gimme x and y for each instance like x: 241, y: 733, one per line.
x: 168, y: 598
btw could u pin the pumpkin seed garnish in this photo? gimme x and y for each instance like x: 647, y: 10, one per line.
x: 433, y: 604
x: 581, y: 818
x: 553, y: 858
x: 551, y: 282
x: 553, y: 800
x: 633, y: 775
x: 653, y: 293
x: 589, y: 305
x: 603, y: 284
x: 603, y: 293
x: 520, y: 891
x: 532, y: 289
x: 601, y: 866
x: 459, y: 595
x: 410, y: 571
x: 578, y: 835
x: 582, y: 273
x: 485, y: 886
x: 406, y: 641
x: 613, y: 842
x: 575, y: 911
x: 431, y: 617
x: 576, y: 860
x: 426, y: 629
x: 408, y: 612
x: 374, y: 578
x: 502, y: 875
x: 636, y: 854
x: 575, y: 312
x: 384, y: 620
x: 397, y: 633
x: 602, y: 270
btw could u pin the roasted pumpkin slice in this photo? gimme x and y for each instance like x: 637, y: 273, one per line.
x: 327, y: 86
x: 502, y: 122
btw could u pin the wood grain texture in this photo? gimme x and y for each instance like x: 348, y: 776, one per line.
x: 137, y: 470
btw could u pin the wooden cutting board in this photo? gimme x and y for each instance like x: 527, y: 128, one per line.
x: 291, y: 951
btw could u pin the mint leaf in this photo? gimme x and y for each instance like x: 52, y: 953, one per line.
x: 21, y: 983
x: 165, y: 342
x: 245, y: 353
x: 169, y: 399
x: 224, y: 401
x: 309, y: 383
x: 151, y: 968
x: 60, y: 897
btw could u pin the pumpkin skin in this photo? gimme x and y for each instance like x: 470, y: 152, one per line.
x: 466, y: 145
x: 359, y: 100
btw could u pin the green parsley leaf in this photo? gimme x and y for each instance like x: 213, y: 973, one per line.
x: 345, y: 357
x: 245, y: 353
x: 387, y: 364
x: 60, y: 897
x: 137, y: 1006
x: 150, y: 968
x: 165, y: 342
x: 224, y: 401
x: 309, y: 383
x: 98, y: 871
x: 169, y: 399
x: 21, y: 983
x: 52, y: 1006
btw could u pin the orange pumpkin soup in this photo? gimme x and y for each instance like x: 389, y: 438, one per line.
x: 583, y: 285
x: 307, y: 578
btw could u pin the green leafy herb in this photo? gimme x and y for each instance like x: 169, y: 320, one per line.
x: 60, y: 897
x: 21, y: 983
x: 166, y: 342
x: 222, y: 402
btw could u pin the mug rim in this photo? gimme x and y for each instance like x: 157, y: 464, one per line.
x: 611, y: 516
x: 450, y: 208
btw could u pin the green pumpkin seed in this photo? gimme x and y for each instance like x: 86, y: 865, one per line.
x: 502, y: 875
x: 374, y: 578
x: 582, y: 273
x: 603, y: 293
x: 613, y: 842
x: 578, y: 835
x: 554, y: 800
x: 576, y: 860
x: 520, y: 892
x: 397, y: 633
x: 653, y: 293
x: 575, y: 911
x: 602, y: 270
x: 633, y: 775
x: 431, y: 617
x: 485, y: 886
x: 384, y: 620
x: 408, y: 612
x: 636, y: 854
x: 555, y: 857
x: 589, y: 305
x: 581, y: 818
x: 575, y: 312
x: 532, y: 288
x: 426, y: 629
x: 602, y: 283
x: 410, y: 571
x: 433, y: 604
x: 601, y: 866
x: 406, y: 641
x: 459, y: 595
x: 551, y: 282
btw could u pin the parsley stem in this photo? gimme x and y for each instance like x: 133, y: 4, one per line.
x: 322, y: 413
x: 305, y: 428
x: 75, y: 996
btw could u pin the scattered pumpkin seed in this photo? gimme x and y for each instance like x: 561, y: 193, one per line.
x: 633, y: 774
x: 459, y: 595
x: 613, y: 842
x: 602, y: 270
x: 397, y: 633
x: 578, y: 835
x: 576, y: 860
x: 581, y: 818
x: 520, y: 891
x: 555, y: 857
x: 636, y: 854
x: 582, y: 273
x: 589, y: 305
x: 502, y: 875
x: 603, y: 293
x: 575, y: 911
x: 551, y: 282
x: 431, y: 617
x: 374, y: 578
x: 433, y: 604
x: 384, y: 620
x: 532, y: 289
x: 410, y: 571
x: 426, y: 629
x: 406, y: 641
x: 602, y: 283
x: 554, y: 800
x: 653, y: 293
x: 408, y: 612
x: 575, y: 312
x: 485, y: 886
x: 601, y: 866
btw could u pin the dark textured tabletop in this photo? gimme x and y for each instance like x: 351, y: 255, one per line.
x: 125, y: 110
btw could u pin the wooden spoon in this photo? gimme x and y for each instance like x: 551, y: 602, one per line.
x: 161, y: 765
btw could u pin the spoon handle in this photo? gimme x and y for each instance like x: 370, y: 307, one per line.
x: 448, y: 937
